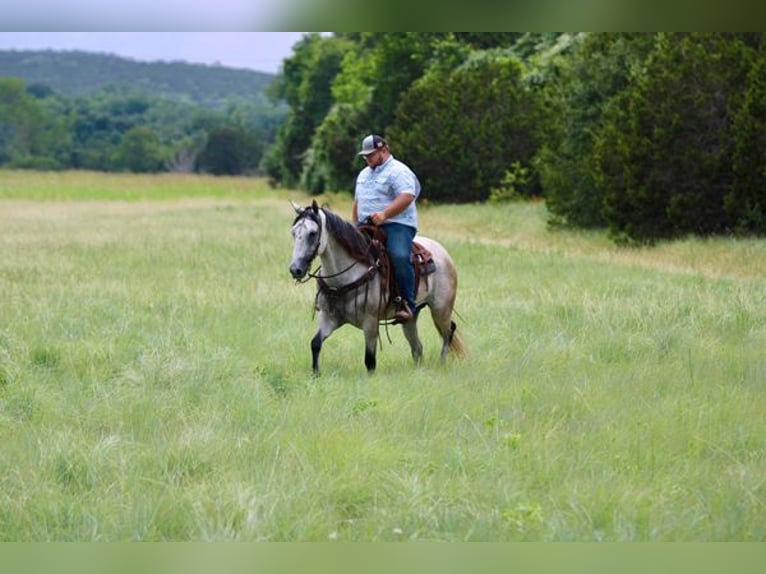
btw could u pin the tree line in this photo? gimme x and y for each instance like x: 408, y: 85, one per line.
x: 651, y: 135
x: 111, y: 130
x: 77, y: 73
x: 87, y: 111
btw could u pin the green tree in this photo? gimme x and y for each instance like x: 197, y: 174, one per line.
x: 100, y: 121
x: 746, y: 201
x: 665, y: 151
x: 399, y: 58
x: 461, y: 130
x: 367, y: 89
x: 23, y: 122
x: 374, y: 77
x: 332, y: 163
x: 306, y: 85
x: 140, y: 151
x: 228, y: 151
x: 576, y: 85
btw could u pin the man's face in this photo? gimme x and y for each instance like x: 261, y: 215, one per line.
x: 375, y: 158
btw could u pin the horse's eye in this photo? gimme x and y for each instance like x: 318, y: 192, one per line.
x: 312, y: 235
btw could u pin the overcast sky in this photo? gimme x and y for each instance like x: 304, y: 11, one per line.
x: 146, y: 15
x: 262, y: 51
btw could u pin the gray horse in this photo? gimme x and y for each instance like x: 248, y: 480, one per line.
x: 350, y: 288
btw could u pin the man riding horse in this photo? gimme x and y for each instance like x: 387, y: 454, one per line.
x: 385, y: 195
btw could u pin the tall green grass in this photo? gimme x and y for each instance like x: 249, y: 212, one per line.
x: 79, y: 186
x: 155, y: 380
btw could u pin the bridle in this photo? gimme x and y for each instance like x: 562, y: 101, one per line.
x: 315, y: 274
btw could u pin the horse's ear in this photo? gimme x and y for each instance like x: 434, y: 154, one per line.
x: 298, y: 209
x: 314, y: 206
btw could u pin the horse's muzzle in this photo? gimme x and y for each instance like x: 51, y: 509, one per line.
x: 297, y: 271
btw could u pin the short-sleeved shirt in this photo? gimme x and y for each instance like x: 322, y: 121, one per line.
x: 377, y: 188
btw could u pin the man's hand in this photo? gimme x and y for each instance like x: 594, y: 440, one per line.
x: 378, y: 217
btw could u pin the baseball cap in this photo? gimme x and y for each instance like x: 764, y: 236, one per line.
x: 372, y: 143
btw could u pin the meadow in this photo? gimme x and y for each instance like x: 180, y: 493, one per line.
x: 155, y: 379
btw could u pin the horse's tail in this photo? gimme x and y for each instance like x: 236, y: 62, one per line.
x: 456, y: 344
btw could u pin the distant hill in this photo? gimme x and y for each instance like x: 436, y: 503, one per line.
x: 75, y: 73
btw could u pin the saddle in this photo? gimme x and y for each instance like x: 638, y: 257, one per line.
x: 422, y: 260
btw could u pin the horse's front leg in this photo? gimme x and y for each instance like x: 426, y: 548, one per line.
x: 370, y: 329
x: 316, y: 348
x: 326, y: 326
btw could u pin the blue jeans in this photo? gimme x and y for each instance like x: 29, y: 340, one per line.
x: 399, y: 247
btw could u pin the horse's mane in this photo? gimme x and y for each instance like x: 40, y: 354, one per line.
x: 353, y: 241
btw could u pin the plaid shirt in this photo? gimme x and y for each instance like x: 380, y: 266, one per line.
x: 376, y: 188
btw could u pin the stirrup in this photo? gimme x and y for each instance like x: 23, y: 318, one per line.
x: 403, y: 314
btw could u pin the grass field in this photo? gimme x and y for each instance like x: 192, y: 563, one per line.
x: 155, y: 379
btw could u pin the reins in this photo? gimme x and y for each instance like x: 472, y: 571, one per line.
x: 315, y: 274
x: 364, y: 258
x: 374, y: 265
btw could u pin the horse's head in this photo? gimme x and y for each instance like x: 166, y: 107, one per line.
x: 307, y: 237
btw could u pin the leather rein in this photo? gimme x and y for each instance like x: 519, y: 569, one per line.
x: 337, y: 292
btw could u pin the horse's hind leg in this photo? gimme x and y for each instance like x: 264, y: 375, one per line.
x: 442, y: 318
x: 410, y: 329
